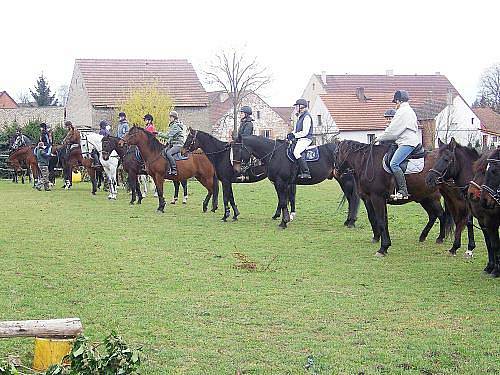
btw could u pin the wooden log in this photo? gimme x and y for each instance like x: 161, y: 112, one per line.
x: 53, y: 328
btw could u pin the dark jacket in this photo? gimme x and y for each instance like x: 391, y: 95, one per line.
x: 42, y: 157
x: 246, y: 127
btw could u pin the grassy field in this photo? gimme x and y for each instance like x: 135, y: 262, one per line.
x: 206, y: 297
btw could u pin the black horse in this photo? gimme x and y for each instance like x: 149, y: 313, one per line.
x: 484, y: 197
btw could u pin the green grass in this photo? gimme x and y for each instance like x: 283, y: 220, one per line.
x: 170, y: 284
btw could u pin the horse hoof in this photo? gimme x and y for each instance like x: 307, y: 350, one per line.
x: 439, y: 240
x: 224, y: 219
x: 452, y: 253
x: 468, y: 254
x: 375, y: 240
x: 379, y: 254
x: 205, y: 209
x: 495, y: 274
x: 132, y: 203
x: 292, y: 216
x: 351, y: 225
x: 160, y: 212
x: 235, y: 218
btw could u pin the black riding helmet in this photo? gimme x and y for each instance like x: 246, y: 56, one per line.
x: 103, y: 124
x: 148, y: 117
x: 121, y: 114
x: 400, y: 96
x: 246, y: 110
x: 301, y: 102
x: 43, y: 125
x: 389, y: 113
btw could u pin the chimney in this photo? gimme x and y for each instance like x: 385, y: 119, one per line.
x: 360, y: 94
x: 223, y: 96
x: 389, y: 73
x: 323, y: 76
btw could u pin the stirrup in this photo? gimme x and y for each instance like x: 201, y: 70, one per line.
x: 399, y: 197
x: 304, y: 176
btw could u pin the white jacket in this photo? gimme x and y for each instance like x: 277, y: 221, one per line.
x: 403, y: 128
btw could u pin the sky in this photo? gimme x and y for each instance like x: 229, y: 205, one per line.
x: 293, y: 39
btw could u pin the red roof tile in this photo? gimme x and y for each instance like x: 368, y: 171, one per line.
x: 109, y: 81
x: 284, y: 112
x: 490, y: 120
x: 6, y: 101
x: 218, y: 108
x: 428, y: 96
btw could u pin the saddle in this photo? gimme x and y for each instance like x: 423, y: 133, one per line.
x: 311, y: 154
x: 414, y: 163
x: 177, y: 156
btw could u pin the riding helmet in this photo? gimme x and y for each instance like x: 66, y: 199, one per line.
x: 389, y: 113
x: 174, y: 114
x: 246, y: 110
x: 103, y: 124
x: 301, y: 102
x: 43, y: 125
x: 121, y: 114
x: 68, y: 123
x: 148, y: 117
x: 400, y: 96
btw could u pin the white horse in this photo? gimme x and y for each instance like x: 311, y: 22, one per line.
x: 93, y: 141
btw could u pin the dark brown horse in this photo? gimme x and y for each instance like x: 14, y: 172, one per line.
x: 375, y: 186
x: 451, y: 173
x: 24, y: 156
x: 73, y: 160
x: 484, y: 197
x: 197, y: 165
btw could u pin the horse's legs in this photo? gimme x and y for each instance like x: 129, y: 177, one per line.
x: 292, y: 192
x: 158, y: 180
x: 277, y: 214
x: 282, y: 192
x: 225, y: 195
x: 132, y: 183
x: 185, y: 191
x: 380, y: 210
x: 470, y: 234
x: 495, y: 249
x: 92, y: 174
x: 176, y: 192
x: 433, y: 213
x: 460, y: 224
x: 215, y: 193
x: 491, y: 254
x: 370, y: 211
x: 236, y: 213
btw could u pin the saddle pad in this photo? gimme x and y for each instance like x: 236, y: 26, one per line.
x: 409, y: 166
x: 311, y: 154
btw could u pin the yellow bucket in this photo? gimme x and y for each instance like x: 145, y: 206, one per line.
x: 50, y: 352
x: 76, y: 177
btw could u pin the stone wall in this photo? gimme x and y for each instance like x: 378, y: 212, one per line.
x: 195, y: 117
x: 53, y: 116
x: 78, y: 107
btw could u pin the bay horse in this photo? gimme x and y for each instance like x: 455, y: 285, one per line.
x: 73, y: 160
x: 484, y: 198
x: 196, y: 165
x: 451, y: 174
x: 219, y: 153
x: 24, y: 156
x: 375, y: 186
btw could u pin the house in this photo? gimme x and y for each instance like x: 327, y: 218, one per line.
x: 269, y: 122
x: 6, y: 101
x: 352, y: 107
x: 490, y: 126
x: 99, y: 86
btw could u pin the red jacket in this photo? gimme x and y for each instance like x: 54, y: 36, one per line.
x: 151, y: 128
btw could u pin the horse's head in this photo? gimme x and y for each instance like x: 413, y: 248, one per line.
x: 191, y: 143
x: 490, y: 190
x: 446, y: 166
x: 133, y: 136
x: 109, y: 144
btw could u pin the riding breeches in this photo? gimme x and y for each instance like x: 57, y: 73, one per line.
x: 172, y: 151
x: 300, y: 147
x: 399, y: 156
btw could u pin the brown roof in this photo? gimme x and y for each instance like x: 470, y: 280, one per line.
x: 109, y: 81
x: 490, y: 120
x: 218, y: 108
x: 6, y: 101
x: 284, y: 112
x: 428, y: 95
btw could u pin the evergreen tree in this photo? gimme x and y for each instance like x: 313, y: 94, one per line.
x: 42, y: 93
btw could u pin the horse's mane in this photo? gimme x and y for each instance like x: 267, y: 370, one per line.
x: 481, y: 164
x: 471, y: 152
x: 153, y: 143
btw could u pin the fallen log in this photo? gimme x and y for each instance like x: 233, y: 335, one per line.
x: 53, y: 328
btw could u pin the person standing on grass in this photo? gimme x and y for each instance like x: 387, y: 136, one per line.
x: 43, y: 157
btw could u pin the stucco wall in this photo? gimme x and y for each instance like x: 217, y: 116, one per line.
x: 53, y: 116
x: 78, y: 107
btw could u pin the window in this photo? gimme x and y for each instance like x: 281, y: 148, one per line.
x: 472, y: 121
x: 494, y: 139
x: 314, y: 86
x: 258, y: 115
x: 371, y: 137
x: 266, y: 133
x: 319, y: 120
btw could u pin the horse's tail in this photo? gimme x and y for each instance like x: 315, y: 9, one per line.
x: 449, y: 223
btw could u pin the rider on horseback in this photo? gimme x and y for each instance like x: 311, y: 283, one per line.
x: 246, y: 124
x: 403, y: 130
x: 71, y: 138
x: 150, y: 127
x: 45, y: 135
x: 122, y: 125
x: 303, y: 133
x: 104, y: 128
x: 20, y: 140
x: 175, y: 139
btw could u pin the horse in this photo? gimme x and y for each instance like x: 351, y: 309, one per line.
x: 24, y: 156
x: 219, y: 153
x: 196, y: 165
x: 92, y: 142
x: 72, y: 159
x: 484, y: 198
x: 375, y: 186
x: 451, y: 173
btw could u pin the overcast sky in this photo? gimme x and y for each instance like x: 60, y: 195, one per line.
x: 294, y: 39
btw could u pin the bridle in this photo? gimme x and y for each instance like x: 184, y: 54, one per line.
x: 442, y: 174
x: 495, y: 195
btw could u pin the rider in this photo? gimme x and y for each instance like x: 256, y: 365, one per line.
x: 71, y: 138
x: 104, y: 128
x: 122, y: 127
x: 246, y: 123
x: 20, y: 139
x: 303, y: 133
x: 403, y: 129
x: 175, y: 138
x: 150, y: 127
x: 45, y: 135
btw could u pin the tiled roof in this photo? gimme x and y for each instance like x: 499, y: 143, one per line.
x: 6, y: 102
x: 110, y: 81
x: 490, y: 120
x: 218, y: 108
x: 428, y: 96
x: 284, y: 112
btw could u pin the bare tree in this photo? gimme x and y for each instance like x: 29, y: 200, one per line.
x: 23, y: 97
x: 62, y: 94
x: 238, y: 76
x: 489, y: 88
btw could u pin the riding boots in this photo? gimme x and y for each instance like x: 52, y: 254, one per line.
x: 304, y: 169
x: 402, y: 192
